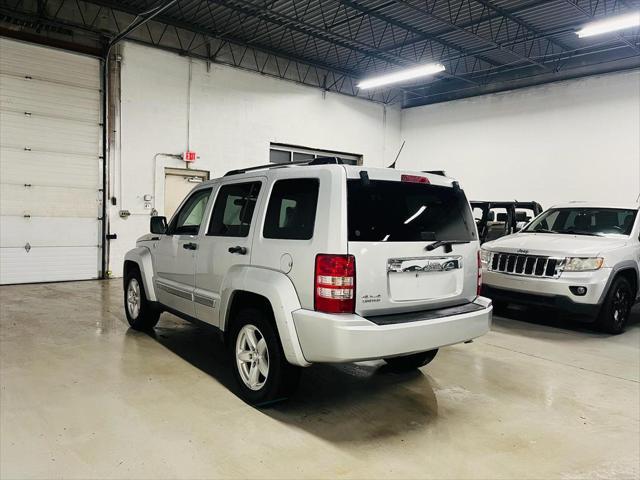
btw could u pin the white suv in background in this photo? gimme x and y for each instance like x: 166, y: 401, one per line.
x: 579, y: 257
x: 316, y: 263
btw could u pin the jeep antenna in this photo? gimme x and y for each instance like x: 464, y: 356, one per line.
x: 393, y: 165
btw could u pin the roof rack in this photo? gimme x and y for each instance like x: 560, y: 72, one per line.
x: 315, y: 161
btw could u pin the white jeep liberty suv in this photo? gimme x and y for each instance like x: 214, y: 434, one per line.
x: 321, y: 262
x: 580, y: 257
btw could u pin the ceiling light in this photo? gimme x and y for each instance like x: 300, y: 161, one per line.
x: 402, y: 75
x: 610, y: 25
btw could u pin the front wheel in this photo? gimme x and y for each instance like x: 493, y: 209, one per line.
x: 616, y: 308
x: 141, y: 314
x: 258, y: 361
x: 411, y: 362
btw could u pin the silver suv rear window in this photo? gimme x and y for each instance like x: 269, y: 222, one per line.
x: 291, y: 213
x: 387, y: 211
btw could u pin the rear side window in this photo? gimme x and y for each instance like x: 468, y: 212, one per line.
x: 233, y: 210
x: 387, y: 211
x: 291, y: 214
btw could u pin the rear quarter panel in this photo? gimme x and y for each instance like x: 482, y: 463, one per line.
x: 329, y: 234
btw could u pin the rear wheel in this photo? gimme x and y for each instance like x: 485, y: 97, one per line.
x: 411, y: 362
x: 258, y: 361
x: 617, y: 305
x: 140, y: 312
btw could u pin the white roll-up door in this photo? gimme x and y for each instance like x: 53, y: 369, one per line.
x: 50, y: 145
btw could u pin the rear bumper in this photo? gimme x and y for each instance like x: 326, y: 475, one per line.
x: 351, y: 338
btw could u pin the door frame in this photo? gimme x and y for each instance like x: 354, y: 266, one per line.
x: 180, y: 172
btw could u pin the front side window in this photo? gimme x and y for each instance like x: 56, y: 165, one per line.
x: 291, y: 213
x: 585, y: 221
x: 188, y: 219
x: 233, y: 210
x: 386, y: 211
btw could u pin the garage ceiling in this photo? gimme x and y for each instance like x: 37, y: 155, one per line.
x: 485, y: 45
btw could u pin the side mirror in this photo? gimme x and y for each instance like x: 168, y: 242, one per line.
x: 158, y: 225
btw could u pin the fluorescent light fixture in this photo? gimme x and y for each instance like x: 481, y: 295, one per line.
x: 612, y: 24
x: 402, y: 75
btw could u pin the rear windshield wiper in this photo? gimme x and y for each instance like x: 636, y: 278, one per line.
x: 446, y: 244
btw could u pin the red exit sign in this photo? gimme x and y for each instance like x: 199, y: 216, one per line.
x: 189, y: 156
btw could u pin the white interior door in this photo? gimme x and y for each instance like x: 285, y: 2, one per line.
x: 178, y: 183
x: 50, y: 143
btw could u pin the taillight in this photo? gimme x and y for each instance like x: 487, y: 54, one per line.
x: 335, y: 283
x: 414, y: 179
x: 479, y: 274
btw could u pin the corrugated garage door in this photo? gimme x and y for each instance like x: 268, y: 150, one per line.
x: 50, y: 140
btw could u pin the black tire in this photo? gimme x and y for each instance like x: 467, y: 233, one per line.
x: 411, y: 362
x: 616, y: 309
x: 146, y: 316
x: 282, y: 378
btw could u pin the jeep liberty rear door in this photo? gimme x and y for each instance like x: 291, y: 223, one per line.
x: 226, y: 243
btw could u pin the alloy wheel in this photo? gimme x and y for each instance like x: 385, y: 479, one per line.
x: 252, y: 357
x: 621, y: 305
x: 133, y: 298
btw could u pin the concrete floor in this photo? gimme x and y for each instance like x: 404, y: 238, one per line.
x: 82, y: 396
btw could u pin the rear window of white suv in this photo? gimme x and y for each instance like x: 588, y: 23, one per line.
x: 291, y: 214
x: 387, y: 211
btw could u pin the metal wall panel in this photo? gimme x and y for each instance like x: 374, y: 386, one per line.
x: 41, y: 98
x: 49, y: 64
x: 49, y: 168
x: 44, y: 201
x: 49, y: 164
x: 48, y: 134
x: 49, y: 232
x: 47, y: 264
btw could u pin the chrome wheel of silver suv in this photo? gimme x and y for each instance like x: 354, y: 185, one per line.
x: 141, y: 314
x: 252, y: 357
x: 133, y: 298
x: 261, y: 370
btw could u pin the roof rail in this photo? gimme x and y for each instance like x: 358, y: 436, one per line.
x: 315, y: 161
x: 327, y: 161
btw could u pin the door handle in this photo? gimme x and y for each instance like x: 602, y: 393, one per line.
x: 238, y: 249
x: 190, y: 246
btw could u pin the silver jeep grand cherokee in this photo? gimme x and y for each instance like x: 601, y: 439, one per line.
x: 583, y: 258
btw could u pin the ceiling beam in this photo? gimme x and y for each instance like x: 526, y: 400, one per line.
x: 458, y: 28
x: 321, y: 34
x: 422, y: 35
